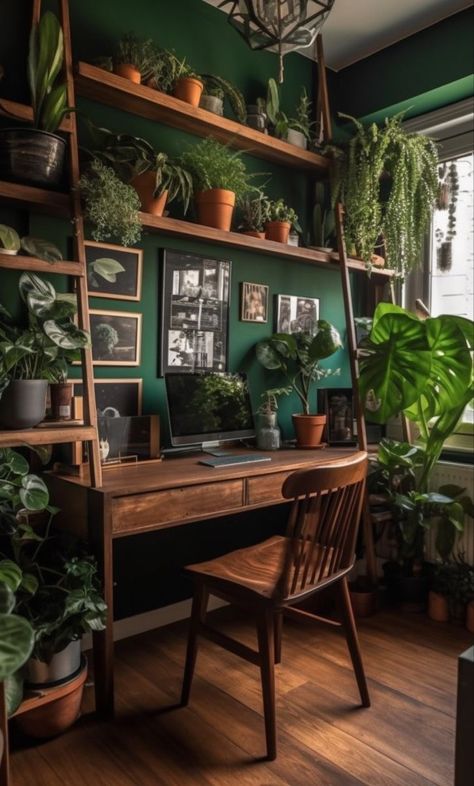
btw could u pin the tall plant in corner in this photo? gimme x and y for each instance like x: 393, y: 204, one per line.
x: 387, y: 180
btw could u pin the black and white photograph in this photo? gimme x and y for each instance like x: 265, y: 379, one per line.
x: 113, y: 271
x: 115, y: 397
x: 254, y: 302
x: 338, y: 406
x: 195, y: 312
x: 295, y: 314
x: 116, y: 338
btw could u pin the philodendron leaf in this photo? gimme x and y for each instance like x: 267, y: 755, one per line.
x: 16, y: 643
x: 66, y: 335
x: 7, y: 598
x: 34, y: 493
x: 268, y: 356
x: 326, y: 341
x: 15, y: 462
x: 42, y: 249
x: 29, y: 282
x: 107, y: 268
x: 395, y: 373
x: 14, y: 691
x: 10, y: 574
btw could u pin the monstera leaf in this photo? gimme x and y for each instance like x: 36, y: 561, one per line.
x: 66, y: 335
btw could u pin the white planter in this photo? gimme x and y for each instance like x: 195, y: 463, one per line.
x: 10, y: 251
x: 297, y: 138
x: 212, y: 104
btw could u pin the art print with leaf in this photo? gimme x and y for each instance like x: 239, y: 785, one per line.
x: 113, y: 271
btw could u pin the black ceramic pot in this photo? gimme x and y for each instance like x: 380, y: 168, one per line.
x: 30, y: 156
x: 23, y: 403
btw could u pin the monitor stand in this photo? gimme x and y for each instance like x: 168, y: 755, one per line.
x: 212, y: 448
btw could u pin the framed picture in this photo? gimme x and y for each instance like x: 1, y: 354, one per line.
x: 338, y: 406
x: 114, y: 397
x: 253, y: 302
x: 295, y: 314
x: 195, y: 313
x: 114, y: 272
x: 116, y: 338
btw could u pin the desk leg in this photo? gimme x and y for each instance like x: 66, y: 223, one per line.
x: 100, y: 538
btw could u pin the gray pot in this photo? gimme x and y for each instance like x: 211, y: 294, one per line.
x: 31, y: 156
x: 62, y: 667
x: 212, y: 104
x: 23, y: 403
x: 296, y: 138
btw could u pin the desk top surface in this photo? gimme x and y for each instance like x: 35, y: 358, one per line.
x: 186, y: 471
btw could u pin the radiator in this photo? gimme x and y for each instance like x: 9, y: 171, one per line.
x: 461, y: 475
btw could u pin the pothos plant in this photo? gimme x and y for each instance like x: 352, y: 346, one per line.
x: 375, y: 161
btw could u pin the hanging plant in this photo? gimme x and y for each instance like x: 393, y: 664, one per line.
x: 448, y: 191
x: 385, y: 159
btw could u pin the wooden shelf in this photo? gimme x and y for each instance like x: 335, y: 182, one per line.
x: 40, y: 266
x: 46, y: 435
x: 107, y: 88
x: 176, y: 228
x: 25, y: 112
x: 40, y: 199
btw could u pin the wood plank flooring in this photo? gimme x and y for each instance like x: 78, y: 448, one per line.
x: 405, y: 739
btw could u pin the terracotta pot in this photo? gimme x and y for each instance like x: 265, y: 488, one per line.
x: 377, y: 260
x: 470, y: 616
x: 144, y: 185
x: 252, y: 233
x: 278, y: 231
x: 188, y: 89
x: 61, y: 397
x: 215, y: 208
x: 58, y: 715
x: 363, y: 597
x: 309, y: 430
x: 128, y: 71
x: 438, y: 609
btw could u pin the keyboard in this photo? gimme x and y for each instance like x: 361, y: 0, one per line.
x: 229, y: 461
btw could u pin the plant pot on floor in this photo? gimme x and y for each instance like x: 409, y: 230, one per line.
x: 61, y: 398
x: 31, y: 156
x: 215, y: 208
x: 23, y: 403
x: 309, y: 430
x: 296, y: 138
x: 363, y: 597
x: 277, y: 231
x: 128, y: 71
x: 188, y: 89
x: 144, y: 185
x: 212, y: 104
x: 438, y: 608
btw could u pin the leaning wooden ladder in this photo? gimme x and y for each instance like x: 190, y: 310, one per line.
x: 77, y: 270
x: 323, y: 115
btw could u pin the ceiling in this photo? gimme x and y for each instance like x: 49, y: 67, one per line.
x: 357, y: 28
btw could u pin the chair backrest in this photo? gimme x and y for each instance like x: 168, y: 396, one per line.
x: 323, y: 523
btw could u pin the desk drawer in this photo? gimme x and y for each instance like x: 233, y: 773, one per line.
x: 178, y: 505
x: 266, y: 488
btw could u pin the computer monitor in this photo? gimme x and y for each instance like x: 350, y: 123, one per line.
x: 208, y: 407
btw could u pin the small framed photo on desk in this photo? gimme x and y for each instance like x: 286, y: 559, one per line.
x: 338, y: 406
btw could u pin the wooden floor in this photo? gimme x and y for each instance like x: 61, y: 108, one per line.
x: 405, y: 739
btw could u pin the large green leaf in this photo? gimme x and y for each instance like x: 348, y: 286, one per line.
x: 34, y: 493
x: 30, y: 282
x: 15, y: 462
x: 13, y: 692
x: 16, y: 643
x: 326, y: 341
x: 394, y: 375
x: 66, y: 335
x: 10, y: 574
x: 40, y: 248
x: 7, y: 598
x: 44, y: 60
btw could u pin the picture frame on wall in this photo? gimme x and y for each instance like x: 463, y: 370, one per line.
x: 253, y: 302
x: 116, y: 337
x: 115, y: 397
x: 113, y: 271
x: 296, y: 314
x: 338, y: 406
x: 195, y: 312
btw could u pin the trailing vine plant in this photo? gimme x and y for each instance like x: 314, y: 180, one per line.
x: 388, y: 182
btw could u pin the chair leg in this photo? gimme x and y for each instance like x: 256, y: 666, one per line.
x: 278, y: 623
x: 266, y: 648
x: 198, y: 615
x: 352, y: 639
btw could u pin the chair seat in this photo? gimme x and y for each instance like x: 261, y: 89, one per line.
x: 256, y: 568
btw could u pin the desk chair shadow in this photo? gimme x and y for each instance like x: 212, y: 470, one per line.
x: 266, y: 580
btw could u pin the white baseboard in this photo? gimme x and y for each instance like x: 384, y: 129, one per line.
x: 140, y: 623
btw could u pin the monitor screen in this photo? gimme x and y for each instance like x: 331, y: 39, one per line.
x: 208, y: 406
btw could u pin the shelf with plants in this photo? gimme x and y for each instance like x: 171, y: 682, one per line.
x: 24, y: 112
x: 38, y: 199
x: 104, y: 87
x: 35, y: 265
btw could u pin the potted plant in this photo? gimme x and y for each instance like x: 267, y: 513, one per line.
x: 253, y: 216
x: 31, y: 356
x: 11, y: 243
x: 256, y: 116
x: 188, y: 86
x: 9, y: 240
x: 299, y: 127
x: 35, y: 154
x: 219, y: 180
x: 268, y: 433
x: 110, y: 205
x: 216, y: 89
x: 377, y: 160
x: 280, y: 220
x: 324, y: 225
x: 296, y: 357
x: 134, y: 58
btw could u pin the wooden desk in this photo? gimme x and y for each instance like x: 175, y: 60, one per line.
x: 149, y: 497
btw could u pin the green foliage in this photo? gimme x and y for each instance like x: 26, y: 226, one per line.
x: 253, y: 214
x: 110, y: 205
x: 9, y: 238
x: 213, y: 165
x: 270, y: 397
x: 324, y: 224
x: 410, y: 162
x: 455, y: 580
x: 296, y: 357
x: 302, y: 122
x: 45, y: 61
x: 40, y: 248
x: 278, y: 210
x: 166, y: 69
x: 222, y: 88
x: 16, y: 645
x: 51, y: 340
x: 141, y: 53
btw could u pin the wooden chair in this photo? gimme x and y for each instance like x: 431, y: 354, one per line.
x: 266, y: 580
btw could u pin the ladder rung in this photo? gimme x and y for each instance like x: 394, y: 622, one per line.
x: 48, y: 434
x: 36, y: 265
